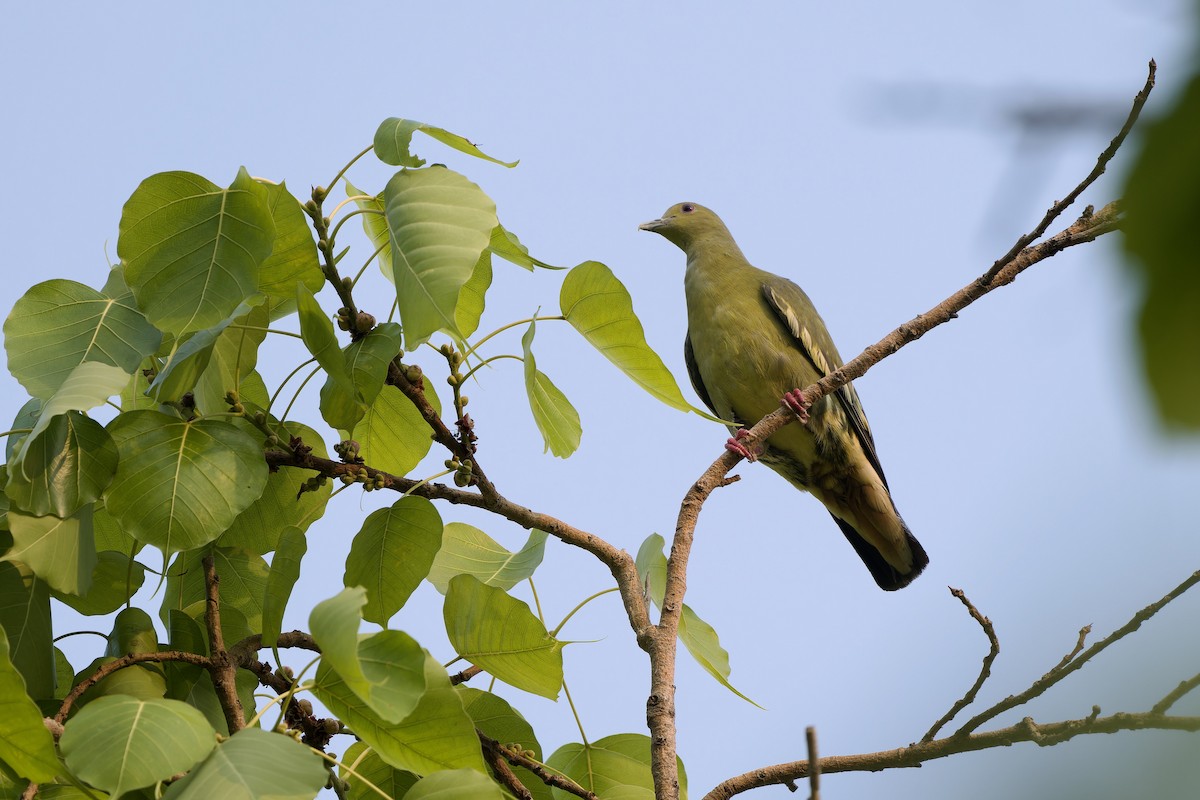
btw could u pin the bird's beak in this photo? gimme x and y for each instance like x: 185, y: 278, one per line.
x: 653, y: 224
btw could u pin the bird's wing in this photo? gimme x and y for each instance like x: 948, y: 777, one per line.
x: 689, y: 358
x: 818, y: 348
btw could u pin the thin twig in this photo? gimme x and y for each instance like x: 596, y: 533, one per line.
x: 985, y: 671
x: 1060, y: 206
x: 915, y: 755
x: 814, y: 775
x: 1064, y: 669
x: 1176, y: 694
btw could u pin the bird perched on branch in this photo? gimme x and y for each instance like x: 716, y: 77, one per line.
x: 754, y: 340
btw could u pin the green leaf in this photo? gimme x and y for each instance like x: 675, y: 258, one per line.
x: 114, y: 580
x: 294, y: 256
x: 466, y: 550
x: 64, y: 674
x: 190, y: 358
x: 615, y: 766
x: 375, y: 226
x: 180, y: 484
x: 393, y: 139
x: 1161, y: 203
x: 334, y: 624
x: 252, y: 765
x: 281, y: 504
x: 439, y: 223
x: 141, y: 681
x: 88, y: 385
x: 25, y: 617
x: 600, y: 308
x: 393, y: 436
x: 697, y: 636
x: 472, y: 296
x: 455, y: 784
x: 370, y: 767
x: 367, y: 365
x: 25, y: 743
x: 317, y: 332
x: 285, y: 571
x: 437, y: 735
x: 505, y: 244
x: 192, y: 250
x: 122, y: 743
x: 133, y: 632
x: 499, y: 633
x: 556, y: 418
x: 65, y: 468
x: 57, y: 325
x: 495, y: 717
x: 392, y: 554
x: 62, y: 552
x: 243, y: 578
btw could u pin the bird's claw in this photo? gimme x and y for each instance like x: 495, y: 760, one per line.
x: 796, y: 402
x: 734, y: 445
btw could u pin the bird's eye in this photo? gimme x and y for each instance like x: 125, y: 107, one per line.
x: 688, y: 208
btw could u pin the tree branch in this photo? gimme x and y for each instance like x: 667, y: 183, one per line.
x: 220, y: 665
x: 984, y: 672
x: 120, y: 663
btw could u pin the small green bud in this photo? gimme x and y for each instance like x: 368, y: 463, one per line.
x: 462, y: 400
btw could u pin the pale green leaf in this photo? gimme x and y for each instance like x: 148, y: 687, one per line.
x: 192, y: 250
x: 88, y: 385
x: 25, y: 744
x: 615, y: 766
x: 392, y: 554
x: 122, y: 743
x: 393, y: 436
x: 254, y: 765
x: 367, y: 365
x: 293, y: 258
x: 180, y: 484
x: 65, y: 468
x: 652, y: 568
x: 505, y: 244
x: 285, y: 571
x: 57, y: 325
x: 437, y: 735
x: 500, y: 634
x: 472, y: 296
x: 439, y: 223
x: 455, y: 784
x: 334, y: 624
x: 281, y: 504
x: 61, y: 552
x: 556, y: 418
x: 393, y: 140
x: 466, y: 550
x: 114, y: 580
x: 375, y: 226
x: 368, y: 766
x: 191, y: 357
x: 600, y: 308
x: 316, y: 330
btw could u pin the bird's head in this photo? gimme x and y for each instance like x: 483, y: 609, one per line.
x: 686, y: 223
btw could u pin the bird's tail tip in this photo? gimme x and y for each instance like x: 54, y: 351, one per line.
x: 887, y: 576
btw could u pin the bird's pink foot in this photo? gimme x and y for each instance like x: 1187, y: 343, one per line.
x: 734, y: 445
x: 799, y: 406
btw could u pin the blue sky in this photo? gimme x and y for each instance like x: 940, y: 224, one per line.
x: 866, y: 151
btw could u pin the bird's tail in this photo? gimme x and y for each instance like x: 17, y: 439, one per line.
x: 887, y: 576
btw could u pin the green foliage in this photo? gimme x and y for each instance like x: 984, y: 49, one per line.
x: 1162, y: 201
x: 616, y: 766
x: 195, y: 458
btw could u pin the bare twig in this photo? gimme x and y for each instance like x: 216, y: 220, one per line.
x: 1176, y: 694
x: 220, y: 666
x: 494, y: 755
x: 814, y: 775
x: 985, y: 671
x: 914, y: 755
x: 120, y: 663
x: 1069, y: 665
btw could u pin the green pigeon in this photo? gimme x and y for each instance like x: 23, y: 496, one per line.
x: 754, y: 341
